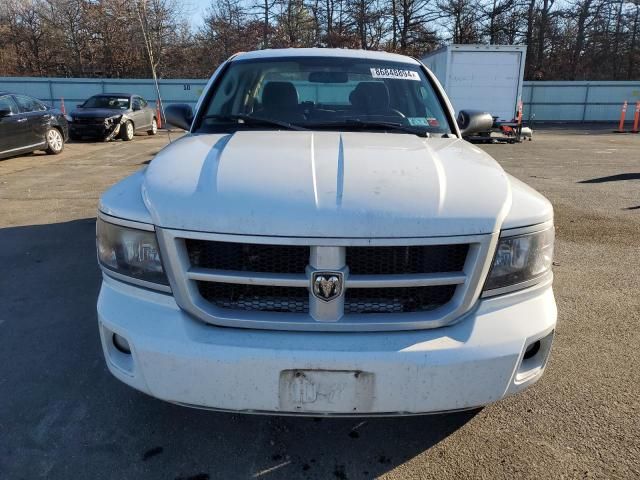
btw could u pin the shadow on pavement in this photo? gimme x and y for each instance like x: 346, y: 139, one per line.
x: 575, y: 128
x: 62, y: 415
x: 613, y: 178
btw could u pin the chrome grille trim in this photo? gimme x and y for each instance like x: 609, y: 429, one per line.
x: 409, y: 280
x: 302, y: 280
x: 247, y: 278
x: 326, y: 254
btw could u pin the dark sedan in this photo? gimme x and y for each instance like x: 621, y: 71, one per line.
x: 113, y: 115
x: 27, y: 124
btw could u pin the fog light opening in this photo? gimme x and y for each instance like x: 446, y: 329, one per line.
x: 532, y: 350
x: 534, y: 359
x: 121, y: 344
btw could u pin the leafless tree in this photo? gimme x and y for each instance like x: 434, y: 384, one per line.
x: 461, y: 20
x: 568, y: 39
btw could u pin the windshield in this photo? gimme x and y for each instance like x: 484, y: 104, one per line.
x: 103, y: 101
x: 323, y: 93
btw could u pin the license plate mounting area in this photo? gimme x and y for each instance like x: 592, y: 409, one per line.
x: 326, y: 391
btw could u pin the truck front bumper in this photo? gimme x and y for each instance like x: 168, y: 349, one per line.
x: 472, y: 363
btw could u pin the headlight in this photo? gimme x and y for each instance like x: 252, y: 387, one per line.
x: 130, y: 252
x: 520, y: 260
x: 111, y: 120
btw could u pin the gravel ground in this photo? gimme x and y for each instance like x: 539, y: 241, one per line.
x: 63, y: 416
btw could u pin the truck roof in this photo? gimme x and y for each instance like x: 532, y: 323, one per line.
x: 324, y: 52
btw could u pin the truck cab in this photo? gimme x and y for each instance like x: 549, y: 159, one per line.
x: 322, y: 241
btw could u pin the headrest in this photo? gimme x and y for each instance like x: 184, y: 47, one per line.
x: 279, y: 95
x: 370, y: 97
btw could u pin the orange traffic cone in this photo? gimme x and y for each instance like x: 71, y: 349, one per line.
x: 62, y: 106
x: 158, y: 114
x: 520, y: 112
x: 623, y: 113
x: 636, y: 118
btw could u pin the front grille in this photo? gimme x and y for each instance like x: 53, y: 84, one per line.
x: 89, y: 121
x: 397, y: 300
x: 376, y: 279
x: 406, y: 260
x: 256, y: 297
x: 247, y: 256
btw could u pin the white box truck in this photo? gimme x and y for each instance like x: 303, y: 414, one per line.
x: 481, y: 77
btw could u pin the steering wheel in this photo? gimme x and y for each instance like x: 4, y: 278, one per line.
x: 398, y: 112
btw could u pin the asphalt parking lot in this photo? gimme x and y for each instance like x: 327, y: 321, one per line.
x: 63, y: 416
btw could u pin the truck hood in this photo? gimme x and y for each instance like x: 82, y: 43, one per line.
x: 326, y: 184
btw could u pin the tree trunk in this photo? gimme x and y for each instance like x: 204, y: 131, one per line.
x: 542, y: 30
x: 265, y: 26
x: 580, y: 38
x: 632, y: 46
x: 530, y: 51
x: 615, y: 57
x: 394, y: 25
x: 492, y: 33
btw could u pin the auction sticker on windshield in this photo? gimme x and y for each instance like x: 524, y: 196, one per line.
x: 395, y: 73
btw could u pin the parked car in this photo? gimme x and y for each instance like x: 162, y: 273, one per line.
x: 27, y: 125
x: 324, y: 242
x: 111, y: 115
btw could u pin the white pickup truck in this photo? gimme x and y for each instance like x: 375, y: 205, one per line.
x: 324, y: 242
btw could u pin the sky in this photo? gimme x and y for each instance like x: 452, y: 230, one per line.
x: 195, y: 11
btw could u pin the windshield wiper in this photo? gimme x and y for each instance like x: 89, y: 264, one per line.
x: 355, y: 122
x: 250, y: 120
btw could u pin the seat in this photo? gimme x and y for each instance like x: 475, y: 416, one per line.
x: 280, y: 102
x: 371, y: 98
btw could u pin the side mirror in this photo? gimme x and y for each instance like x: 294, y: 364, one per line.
x: 179, y: 115
x: 136, y: 107
x: 474, y: 121
x: 79, y: 105
x: 4, y: 112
